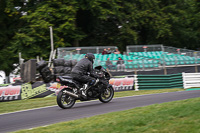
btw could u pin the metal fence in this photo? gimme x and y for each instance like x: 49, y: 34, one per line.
x: 144, y: 48
x: 61, y: 52
x: 137, y: 57
x: 130, y: 65
x: 145, y: 64
x: 191, y: 80
x: 160, y: 47
x: 180, y: 51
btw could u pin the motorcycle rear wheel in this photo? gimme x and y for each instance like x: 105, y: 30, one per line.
x: 107, y: 95
x: 65, y: 101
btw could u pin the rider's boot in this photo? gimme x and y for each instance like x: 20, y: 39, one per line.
x: 83, y: 90
x: 87, y: 86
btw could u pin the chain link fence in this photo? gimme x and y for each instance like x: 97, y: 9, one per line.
x: 160, y: 47
x: 70, y: 51
x: 136, y: 58
x: 144, y: 48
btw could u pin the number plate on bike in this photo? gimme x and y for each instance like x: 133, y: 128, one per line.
x: 58, y: 85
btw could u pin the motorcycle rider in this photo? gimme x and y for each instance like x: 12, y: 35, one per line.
x: 81, y: 70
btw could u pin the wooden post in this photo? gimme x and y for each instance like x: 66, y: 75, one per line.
x: 51, y: 37
x: 135, y: 70
x: 196, y: 61
x: 20, y: 56
x: 196, y: 69
x: 165, y: 71
x: 52, y: 46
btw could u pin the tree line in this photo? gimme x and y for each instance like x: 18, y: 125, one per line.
x: 25, y: 25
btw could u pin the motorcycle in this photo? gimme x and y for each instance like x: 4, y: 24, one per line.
x: 101, y: 90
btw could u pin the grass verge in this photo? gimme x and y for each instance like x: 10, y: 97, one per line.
x: 49, y: 101
x: 173, y: 117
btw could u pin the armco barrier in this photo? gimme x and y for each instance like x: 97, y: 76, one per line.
x: 158, y: 81
x: 191, y: 80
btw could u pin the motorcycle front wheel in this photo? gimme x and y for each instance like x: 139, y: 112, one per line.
x: 65, y: 101
x: 107, y: 94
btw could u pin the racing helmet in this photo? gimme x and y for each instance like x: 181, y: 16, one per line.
x: 90, y: 57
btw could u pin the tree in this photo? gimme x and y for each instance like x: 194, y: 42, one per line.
x: 183, y: 17
x: 34, y: 37
x: 9, y: 23
x: 94, y: 22
x: 72, y: 21
x: 128, y: 23
x: 98, y: 20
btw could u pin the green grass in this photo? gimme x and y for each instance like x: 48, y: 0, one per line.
x: 173, y: 117
x: 2, y: 85
x: 49, y: 101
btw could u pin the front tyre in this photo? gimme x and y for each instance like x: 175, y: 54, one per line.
x: 107, y: 94
x: 65, y: 101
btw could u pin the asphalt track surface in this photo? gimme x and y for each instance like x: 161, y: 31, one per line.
x: 44, y: 116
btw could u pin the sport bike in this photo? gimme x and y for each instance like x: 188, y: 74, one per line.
x: 101, y: 90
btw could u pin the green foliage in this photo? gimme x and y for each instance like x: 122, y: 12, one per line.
x: 9, y: 23
x: 25, y: 24
x: 34, y: 37
x: 183, y: 18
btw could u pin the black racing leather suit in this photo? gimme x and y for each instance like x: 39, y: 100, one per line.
x: 81, y: 70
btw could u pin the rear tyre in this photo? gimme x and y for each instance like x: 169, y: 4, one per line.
x: 65, y: 101
x: 107, y: 95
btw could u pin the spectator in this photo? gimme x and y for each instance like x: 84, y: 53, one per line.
x: 109, y: 51
x: 117, y: 51
x: 104, y: 51
x: 120, y: 64
x: 109, y: 64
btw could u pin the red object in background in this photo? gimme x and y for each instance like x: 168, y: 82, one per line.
x: 144, y: 46
x: 122, y: 81
x: 58, y: 80
x: 178, y: 50
x: 16, y: 78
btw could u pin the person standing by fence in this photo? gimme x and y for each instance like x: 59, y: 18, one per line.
x: 109, y: 64
x: 120, y: 64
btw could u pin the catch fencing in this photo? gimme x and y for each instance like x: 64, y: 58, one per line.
x: 130, y: 65
x: 144, y: 48
x: 181, y: 51
x: 61, y: 52
x: 136, y: 57
x: 160, y: 47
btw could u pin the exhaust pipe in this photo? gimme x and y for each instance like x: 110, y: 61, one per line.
x: 71, y: 94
